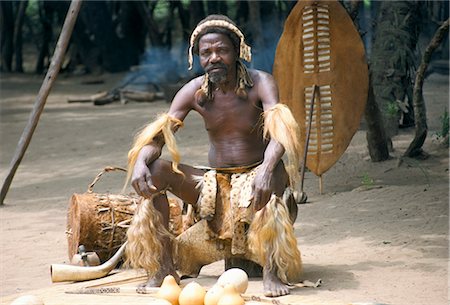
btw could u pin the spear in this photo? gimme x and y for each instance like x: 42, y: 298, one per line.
x: 303, y: 196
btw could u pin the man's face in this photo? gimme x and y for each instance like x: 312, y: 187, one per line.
x: 217, y: 56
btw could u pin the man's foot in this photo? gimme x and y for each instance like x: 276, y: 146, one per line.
x: 157, y: 280
x: 273, y: 287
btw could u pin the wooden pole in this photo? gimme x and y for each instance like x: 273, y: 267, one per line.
x: 44, y: 91
x: 320, y: 184
x: 303, y: 196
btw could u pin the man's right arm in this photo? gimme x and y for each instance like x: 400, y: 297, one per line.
x: 141, y: 177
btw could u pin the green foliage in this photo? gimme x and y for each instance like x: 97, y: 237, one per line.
x: 232, y: 8
x: 33, y: 31
x: 445, y: 123
x: 391, y: 109
x: 32, y: 10
x: 366, y: 180
x: 162, y: 10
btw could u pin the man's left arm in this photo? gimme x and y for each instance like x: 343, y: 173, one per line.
x: 263, y: 186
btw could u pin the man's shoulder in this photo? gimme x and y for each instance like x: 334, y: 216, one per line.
x: 260, y: 76
x: 196, y: 81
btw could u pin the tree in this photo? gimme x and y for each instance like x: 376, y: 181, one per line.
x: 393, y: 61
x: 415, y: 148
x: 7, y: 33
x: 48, y: 10
x: 375, y: 135
x: 17, y: 42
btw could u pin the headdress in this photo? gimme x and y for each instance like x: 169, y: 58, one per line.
x: 244, y: 49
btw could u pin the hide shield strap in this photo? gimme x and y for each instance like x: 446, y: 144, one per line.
x: 321, y: 46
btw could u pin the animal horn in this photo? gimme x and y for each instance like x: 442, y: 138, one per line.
x: 64, y: 272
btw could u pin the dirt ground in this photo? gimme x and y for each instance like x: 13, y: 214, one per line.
x: 378, y: 233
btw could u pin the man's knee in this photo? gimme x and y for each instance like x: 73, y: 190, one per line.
x: 159, y: 170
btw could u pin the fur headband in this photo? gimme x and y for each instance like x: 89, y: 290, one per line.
x: 245, y: 50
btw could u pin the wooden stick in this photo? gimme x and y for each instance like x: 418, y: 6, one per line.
x: 305, y: 153
x: 88, y: 99
x: 320, y: 185
x: 153, y: 291
x: 103, y: 289
x: 44, y: 91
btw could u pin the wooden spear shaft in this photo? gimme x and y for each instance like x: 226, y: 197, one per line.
x: 44, y: 91
x: 308, y: 133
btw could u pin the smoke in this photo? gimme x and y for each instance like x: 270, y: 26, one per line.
x: 263, y: 56
x: 161, y: 66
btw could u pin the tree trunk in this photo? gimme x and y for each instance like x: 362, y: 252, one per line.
x: 242, y: 12
x: 18, y: 35
x: 45, y: 15
x: 184, y: 19
x: 113, y: 55
x: 196, y: 12
x: 415, y: 148
x: 376, y: 137
x: 217, y: 7
x: 152, y: 27
x: 133, y: 30
x: 260, y: 59
x: 393, y: 59
x: 7, y: 30
x: 354, y: 8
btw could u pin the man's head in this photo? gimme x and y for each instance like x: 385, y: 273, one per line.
x: 220, y: 44
x: 218, y: 57
x: 219, y: 24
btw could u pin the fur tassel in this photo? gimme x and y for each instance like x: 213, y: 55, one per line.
x: 163, y: 124
x: 280, y: 125
x: 144, y: 248
x: 271, y: 237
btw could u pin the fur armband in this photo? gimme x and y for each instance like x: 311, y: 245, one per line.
x: 163, y: 124
x: 280, y: 125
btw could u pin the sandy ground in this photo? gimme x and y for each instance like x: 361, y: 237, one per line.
x: 378, y: 233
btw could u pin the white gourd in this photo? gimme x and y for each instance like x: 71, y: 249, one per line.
x: 235, y: 276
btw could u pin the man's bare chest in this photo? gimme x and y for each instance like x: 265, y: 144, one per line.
x: 233, y: 114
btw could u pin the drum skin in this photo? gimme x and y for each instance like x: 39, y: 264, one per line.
x: 321, y: 46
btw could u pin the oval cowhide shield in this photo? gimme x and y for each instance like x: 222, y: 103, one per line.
x: 321, y: 46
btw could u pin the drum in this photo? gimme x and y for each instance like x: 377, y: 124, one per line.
x: 100, y: 221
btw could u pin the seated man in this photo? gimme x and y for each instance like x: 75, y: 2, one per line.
x: 245, y: 197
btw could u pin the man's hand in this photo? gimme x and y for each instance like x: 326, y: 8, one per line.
x: 262, y: 188
x: 141, y: 180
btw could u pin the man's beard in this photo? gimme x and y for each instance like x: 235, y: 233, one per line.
x: 218, y: 76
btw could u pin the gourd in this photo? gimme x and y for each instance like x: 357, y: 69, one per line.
x: 169, y: 290
x: 231, y: 296
x: 214, y: 294
x: 235, y: 276
x: 192, y: 294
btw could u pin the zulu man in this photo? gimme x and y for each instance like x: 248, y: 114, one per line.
x: 245, y: 198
